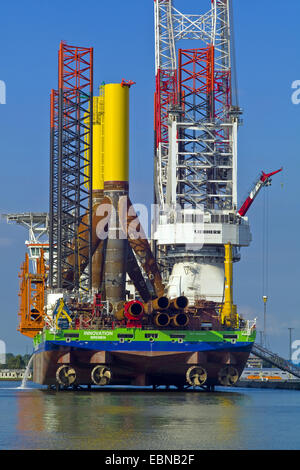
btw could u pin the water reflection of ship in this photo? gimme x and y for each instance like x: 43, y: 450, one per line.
x: 122, y: 419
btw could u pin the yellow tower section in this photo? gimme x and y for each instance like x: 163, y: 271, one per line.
x: 98, y: 142
x: 116, y: 133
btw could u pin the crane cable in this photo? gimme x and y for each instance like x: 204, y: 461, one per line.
x: 265, y: 258
x: 265, y: 243
x: 265, y: 250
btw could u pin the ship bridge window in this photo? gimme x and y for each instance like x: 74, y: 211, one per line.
x: 71, y: 335
x: 124, y: 336
x: 149, y: 335
x: 177, y: 336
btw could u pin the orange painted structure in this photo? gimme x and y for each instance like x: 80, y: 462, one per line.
x: 32, y: 297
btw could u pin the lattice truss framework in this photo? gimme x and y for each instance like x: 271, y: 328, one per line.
x: 199, y: 87
x: 70, y: 169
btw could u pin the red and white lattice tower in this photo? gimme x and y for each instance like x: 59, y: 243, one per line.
x: 196, y: 122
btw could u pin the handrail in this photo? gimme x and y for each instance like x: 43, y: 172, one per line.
x: 275, y: 360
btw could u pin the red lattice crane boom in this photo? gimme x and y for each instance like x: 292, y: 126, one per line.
x: 264, y: 180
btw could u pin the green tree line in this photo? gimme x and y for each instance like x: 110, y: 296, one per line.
x: 15, y: 362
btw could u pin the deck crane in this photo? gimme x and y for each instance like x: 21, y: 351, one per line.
x: 263, y: 180
x: 197, y: 116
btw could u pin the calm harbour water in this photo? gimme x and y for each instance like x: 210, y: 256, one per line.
x: 35, y: 418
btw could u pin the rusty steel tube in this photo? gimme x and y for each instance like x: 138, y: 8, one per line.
x: 116, y: 252
x: 118, y: 310
x: 116, y: 175
x: 98, y: 256
x: 97, y: 268
x: 162, y: 319
x: 181, y: 319
x: 161, y: 303
x: 179, y: 303
x: 134, y: 310
x: 119, y: 314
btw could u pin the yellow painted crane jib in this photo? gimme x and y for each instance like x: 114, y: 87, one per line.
x: 229, y: 316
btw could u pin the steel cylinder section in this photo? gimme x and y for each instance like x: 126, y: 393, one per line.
x: 115, y: 267
x: 162, y: 319
x: 161, y: 303
x: 97, y: 267
x: 179, y: 303
x: 116, y: 247
x: 119, y: 314
x: 116, y: 173
x: 116, y: 133
x: 134, y: 310
x: 98, y: 254
x: 180, y: 320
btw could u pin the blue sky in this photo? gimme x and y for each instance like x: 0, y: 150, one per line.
x: 267, y: 45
